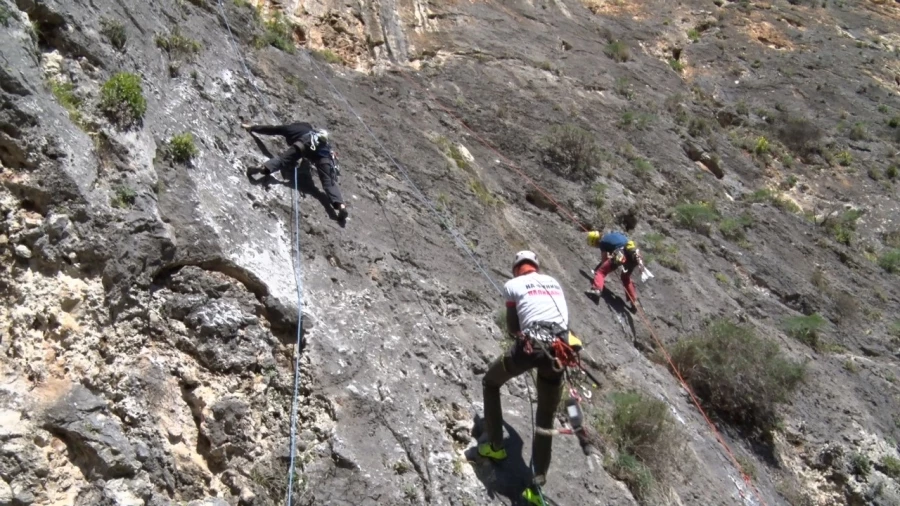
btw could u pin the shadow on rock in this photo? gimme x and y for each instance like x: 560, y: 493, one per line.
x: 614, y: 302
x: 507, y: 478
x: 620, y: 307
x: 305, y: 185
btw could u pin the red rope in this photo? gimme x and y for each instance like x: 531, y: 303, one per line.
x: 678, y: 375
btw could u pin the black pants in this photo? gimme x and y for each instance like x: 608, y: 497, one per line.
x: 286, y: 161
x: 549, y: 391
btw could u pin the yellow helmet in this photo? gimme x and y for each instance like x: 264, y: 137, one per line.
x: 593, y: 237
x: 630, y: 245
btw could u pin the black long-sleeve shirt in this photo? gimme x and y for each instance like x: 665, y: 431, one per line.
x: 292, y: 132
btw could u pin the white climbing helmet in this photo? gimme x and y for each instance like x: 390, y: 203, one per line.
x: 525, y: 256
x: 322, y: 133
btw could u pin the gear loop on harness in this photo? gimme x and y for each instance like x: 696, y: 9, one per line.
x: 551, y: 339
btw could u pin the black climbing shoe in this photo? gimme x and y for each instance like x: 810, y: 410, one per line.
x: 252, y: 171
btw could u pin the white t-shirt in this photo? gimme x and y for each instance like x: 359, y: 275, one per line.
x: 537, y: 298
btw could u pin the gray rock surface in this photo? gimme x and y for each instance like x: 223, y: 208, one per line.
x: 94, y: 438
x: 149, y: 305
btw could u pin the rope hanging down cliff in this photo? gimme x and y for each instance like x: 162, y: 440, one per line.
x: 509, y: 163
x: 298, y: 272
x: 458, y: 238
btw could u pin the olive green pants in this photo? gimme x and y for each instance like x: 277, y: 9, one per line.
x: 549, y: 391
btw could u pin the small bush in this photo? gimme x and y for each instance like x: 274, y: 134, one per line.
x: 842, y: 226
x: 693, y: 35
x: 454, y: 153
x: 571, y: 150
x: 861, y: 464
x: 182, y: 146
x: 698, y: 127
x: 676, y: 65
x: 892, y: 172
x: 858, y: 132
x: 846, y: 307
x: 818, y: 279
x: 642, y: 168
x: 599, y: 191
x: 805, y: 329
x: 738, y: 375
x: 618, y: 51
x: 630, y: 471
x: 482, y: 193
x: 892, y: 238
x: 114, y: 32
x: 844, y: 158
x: 644, y: 434
x: 122, y: 99
x: 5, y: 15
x: 623, y: 88
x: 655, y: 248
x: 733, y: 228
x: 64, y: 92
x: 178, y: 45
x: 124, y: 197
x: 696, y: 217
x: 800, y: 135
x: 640, y: 120
x: 890, y: 261
x: 894, y: 122
x: 329, y: 56
x: 891, y: 466
x: 765, y: 195
x: 747, y: 466
x: 278, y: 33
x: 762, y: 146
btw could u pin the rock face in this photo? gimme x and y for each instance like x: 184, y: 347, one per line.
x: 150, y: 304
x: 96, y: 441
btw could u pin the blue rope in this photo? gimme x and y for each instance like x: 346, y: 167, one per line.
x: 457, y: 238
x: 298, y: 269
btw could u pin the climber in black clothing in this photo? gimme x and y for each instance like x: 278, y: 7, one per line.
x: 304, y: 141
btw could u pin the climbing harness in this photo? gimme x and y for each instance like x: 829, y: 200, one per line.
x: 561, y: 347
